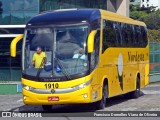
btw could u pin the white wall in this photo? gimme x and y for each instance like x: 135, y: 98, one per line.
x: 148, y: 3
x: 123, y: 7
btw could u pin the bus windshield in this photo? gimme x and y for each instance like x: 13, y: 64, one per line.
x: 55, y: 51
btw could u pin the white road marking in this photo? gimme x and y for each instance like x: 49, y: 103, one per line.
x: 16, y: 109
x: 150, y: 92
x: 8, y: 110
x: 155, y: 109
x: 129, y: 109
x: 20, y: 100
x: 153, y: 86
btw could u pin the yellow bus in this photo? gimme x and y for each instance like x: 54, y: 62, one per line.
x: 90, y: 55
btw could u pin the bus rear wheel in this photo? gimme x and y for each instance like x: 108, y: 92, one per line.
x: 136, y: 93
x: 102, y: 103
x: 47, y: 107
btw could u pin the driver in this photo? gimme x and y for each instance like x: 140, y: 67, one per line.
x: 39, y: 58
x: 80, y: 54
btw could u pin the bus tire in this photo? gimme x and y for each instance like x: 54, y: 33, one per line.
x: 136, y: 93
x: 47, y: 107
x: 102, y: 103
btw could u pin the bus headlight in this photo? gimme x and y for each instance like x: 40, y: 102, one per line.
x: 82, y: 85
x: 27, y: 87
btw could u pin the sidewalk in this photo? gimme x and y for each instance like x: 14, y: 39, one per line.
x: 154, y: 78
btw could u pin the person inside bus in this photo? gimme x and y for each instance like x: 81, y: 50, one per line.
x: 67, y: 45
x: 39, y: 58
x: 80, y: 54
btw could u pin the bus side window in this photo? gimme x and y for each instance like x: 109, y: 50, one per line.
x: 140, y: 37
x: 127, y: 36
x: 130, y: 35
x: 144, y: 36
x: 109, y: 36
x: 124, y: 34
x: 95, y: 53
x: 118, y: 34
x: 137, y: 35
x: 134, y: 36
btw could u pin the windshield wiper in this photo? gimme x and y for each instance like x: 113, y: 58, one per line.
x: 63, y: 69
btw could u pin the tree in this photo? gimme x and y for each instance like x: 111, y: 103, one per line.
x: 151, y: 17
x: 138, y: 15
x: 147, y: 9
x: 134, y: 8
x: 154, y: 35
x: 136, y: 12
x: 152, y: 20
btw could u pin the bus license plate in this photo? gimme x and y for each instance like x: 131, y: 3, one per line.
x: 53, y: 98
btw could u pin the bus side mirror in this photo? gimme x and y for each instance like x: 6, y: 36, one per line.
x: 13, y: 45
x: 91, y: 41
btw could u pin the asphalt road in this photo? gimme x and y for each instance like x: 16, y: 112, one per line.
x: 148, y: 101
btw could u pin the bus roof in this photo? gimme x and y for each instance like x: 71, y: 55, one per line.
x: 119, y: 18
x: 73, y: 16
x: 68, y: 16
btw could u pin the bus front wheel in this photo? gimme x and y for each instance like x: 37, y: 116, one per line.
x: 136, y: 93
x: 102, y: 103
x: 47, y: 107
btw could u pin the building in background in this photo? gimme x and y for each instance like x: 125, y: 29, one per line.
x: 149, y: 3
x: 15, y: 13
x: 135, y: 2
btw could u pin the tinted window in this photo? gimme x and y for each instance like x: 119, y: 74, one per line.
x: 95, y: 53
x: 144, y: 36
x: 116, y: 34
x: 109, y: 35
x: 17, y: 11
x: 96, y: 46
x: 95, y: 24
x: 138, y: 37
x: 124, y: 34
x: 129, y: 39
x: 11, y: 30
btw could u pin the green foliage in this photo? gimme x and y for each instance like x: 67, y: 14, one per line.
x: 147, y: 9
x: 154, y: 35
x: 138, y: 15
x: 134, y: 8
x: 151, y: 17
x: 152, y: 20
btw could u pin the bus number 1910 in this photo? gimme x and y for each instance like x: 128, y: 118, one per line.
x: 51, y: 86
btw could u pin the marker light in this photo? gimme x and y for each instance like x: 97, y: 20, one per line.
x: 85, y: 95
x: 24, y: 97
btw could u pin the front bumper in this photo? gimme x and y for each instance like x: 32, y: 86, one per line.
x: 78, y: 96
